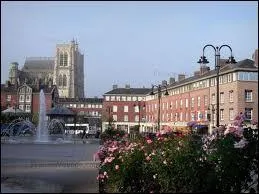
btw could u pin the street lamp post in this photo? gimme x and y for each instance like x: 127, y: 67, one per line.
x: 139, y: 105
x: 203, y: 60
x: 159, y: 94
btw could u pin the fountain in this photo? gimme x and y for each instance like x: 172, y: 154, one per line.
x: 18, y: 128
x: 42, y: 130
x: 54, y: 132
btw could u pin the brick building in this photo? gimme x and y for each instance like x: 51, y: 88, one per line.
x: 189, y: 99
x: 88, y: 110
x: 125, y: 106
x: 193, y: 98
x: 26, y: 97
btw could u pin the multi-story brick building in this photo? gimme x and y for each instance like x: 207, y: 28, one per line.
x: 27, y: 97
x: 88, y: 110
x: 125, y: 106
x: 191, y: 99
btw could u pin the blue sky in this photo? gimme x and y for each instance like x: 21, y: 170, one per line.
x: 136, y: 43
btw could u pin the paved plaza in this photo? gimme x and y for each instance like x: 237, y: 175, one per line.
x: 60, y: 168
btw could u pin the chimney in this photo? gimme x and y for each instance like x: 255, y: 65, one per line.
x: 164, y: 83
x: 127, y: 86
x: 222, y: 62
x: 114, y: 87
x: 204, y: 69
x: 196, y: 73
x: 255, y: 57
x: 181, y: 77
x: 171, y: 80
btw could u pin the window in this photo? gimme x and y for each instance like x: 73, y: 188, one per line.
x: 118, y: 98
x: 249, y: 113
x: 61, y: 58
x: 28, y: 98
x: 82, y: 105
x: 129, y: 98
x: 21, y: 106
x: 231, y: 114
x: 193, y: 116
x: 181, y: 116
x: 192, y: 103
x: 248, y: 95
x: 21, y: 99
x: 205, y: 100
x: 126, y: 118
x: 60, y: 80
x: 126, y: 109
x: 107, y: 98
x: 221, y: 97
x: 176, y: 104
x: 114, y: 108
x: 28, y: 108
x: 229, y: 77
x: 186, y: 103
x: 199, y: 101
x: 123, y: 98
x: 212, y: 81
x: 136, y: 108
x: 181, y: 103
x: 112, y: 98
x: 213, y: 99
x: 64, y: 80
x: 134, y: 98
x: 136, y: 118
x: 221, y: 114
x: 231, y: 96
x: 28, y: 89
x: 65, y: 59
x: 186, y: 116
x: 114, y: 117
x: 8, y: 98
x: 220, y: 79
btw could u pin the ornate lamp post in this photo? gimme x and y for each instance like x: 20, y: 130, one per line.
x: 203, y: 60
x: 159, y: 93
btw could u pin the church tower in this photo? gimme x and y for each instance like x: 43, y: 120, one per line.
x: 69, y: 70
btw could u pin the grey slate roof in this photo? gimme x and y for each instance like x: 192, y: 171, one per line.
x: 88, y: 100
x: 136, y: 91
x: 247, y: 63
x: 59, y: 110
x: 12, y: 89
x: 39, y: 63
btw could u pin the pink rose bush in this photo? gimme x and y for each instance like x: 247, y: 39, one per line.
x: 225, y: 161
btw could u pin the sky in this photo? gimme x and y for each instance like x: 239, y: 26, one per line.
x: 128, y: 42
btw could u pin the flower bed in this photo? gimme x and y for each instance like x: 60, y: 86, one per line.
x: 225, y: 161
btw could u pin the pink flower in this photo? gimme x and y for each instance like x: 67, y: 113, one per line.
x: 108, y: 159
x: 149, y: 141
x: 112, y: 149
x: 148, y: 158
x: 117, y: 167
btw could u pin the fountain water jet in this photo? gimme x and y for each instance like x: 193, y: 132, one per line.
x: 42, y: 130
